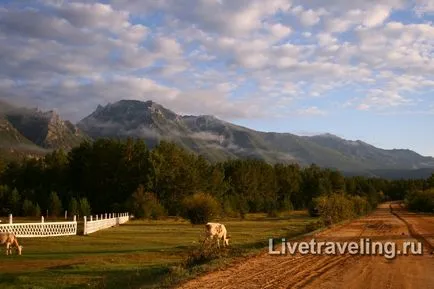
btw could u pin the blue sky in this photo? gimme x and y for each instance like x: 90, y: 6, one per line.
x: 359, y: 69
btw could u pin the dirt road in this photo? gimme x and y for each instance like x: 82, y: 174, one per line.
x: 341, y: 271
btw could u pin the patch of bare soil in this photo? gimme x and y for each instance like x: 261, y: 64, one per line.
x: 341, y: 271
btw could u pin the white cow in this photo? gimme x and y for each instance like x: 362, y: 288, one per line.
x: 10, y: 240
x: 218, y: 231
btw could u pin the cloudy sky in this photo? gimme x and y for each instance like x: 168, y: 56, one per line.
x: 360, y: 69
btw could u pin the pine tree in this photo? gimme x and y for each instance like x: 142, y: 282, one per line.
x: 85, y: 209
x: 73, y: 209
x: 28, y: 208
x: 55, y: 205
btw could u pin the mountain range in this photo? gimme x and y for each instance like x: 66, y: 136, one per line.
x: 207, y: 135
x: 32, y: 132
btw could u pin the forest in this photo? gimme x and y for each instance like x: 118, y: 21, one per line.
x: 116, y: 176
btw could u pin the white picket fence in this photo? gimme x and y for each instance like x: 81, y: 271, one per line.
x: 67, y: 228
x: 103, y: 222
x: 42, y: 229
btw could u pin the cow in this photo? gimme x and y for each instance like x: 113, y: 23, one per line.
x: 217, y: 231
x: 11, y: 241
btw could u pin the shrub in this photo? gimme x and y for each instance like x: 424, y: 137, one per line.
x: 28, y: 208
x: 312, y: 208
x: 228, y: 209
x: 84, y: 207
x: 313, y: 226
x: 73, y: 209
x: 146, y: 205
x: 421, y: 201
x: 37, y: 210
x: 334, y: 208
x: 55, y: 204
x: 271, y: 209
x: 203, y: 254
x: 200, y: 208
x: 361, y: 205
x: 14, y: 202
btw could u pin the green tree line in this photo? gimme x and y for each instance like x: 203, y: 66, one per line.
x: 111, y: 175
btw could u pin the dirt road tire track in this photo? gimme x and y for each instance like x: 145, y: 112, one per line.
x: 413, y: 232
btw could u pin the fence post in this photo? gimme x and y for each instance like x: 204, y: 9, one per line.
x: 66, y: 215
x: 75, y: 218
x: 91, y: 218
x: 85, y: 226
x: 105, y: 215
x: 42, y: 226
x: 97, y: 217
x: 10, y: 218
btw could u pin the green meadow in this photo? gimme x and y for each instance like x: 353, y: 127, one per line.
x: 138, y: 254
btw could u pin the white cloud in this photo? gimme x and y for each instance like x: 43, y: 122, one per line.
x: 280, y: 31
x: 424, y: 7
x: 376, y: 16
x: 307, y: 17
x: 222, y: 57
x: 381, y: 99
x: 311, y: 111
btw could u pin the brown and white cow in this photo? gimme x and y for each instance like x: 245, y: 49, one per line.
x: 217, y: 231
x: 11, y: 241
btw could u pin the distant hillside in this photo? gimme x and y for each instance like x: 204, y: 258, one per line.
x: 218, y: 140
x: 14, y: 145
x: 30, y: 132
x: 372, y: 156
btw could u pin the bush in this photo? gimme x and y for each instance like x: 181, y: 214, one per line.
x: 84, y: 207
x: 334, y: 208
x: 146, y: 205
x: 271, y: 209
x: 228, y: 209
x: 28, y: 208
x: 73, y: 209
x: 421, y: 201
x: 55, y: 205
x: 37, y: 210
x: 338, y: 207
x: 200, y: 208
x: 202, y: 255
x: 14, y: 202
x: 313, y: 209
x: 313, y: 226
x: 361, y: 205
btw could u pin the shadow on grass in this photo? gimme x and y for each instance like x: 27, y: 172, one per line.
x: 57, y: 254
x: 132, y: 278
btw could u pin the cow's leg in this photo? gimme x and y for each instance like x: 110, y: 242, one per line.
x: 218, y: 242
x: 208, y: 237
x: 7, y: 248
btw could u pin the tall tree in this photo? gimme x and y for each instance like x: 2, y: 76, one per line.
x: 73, y: 208
x: 55, y: 205
x: 430, y: 181
x: 85, y: 209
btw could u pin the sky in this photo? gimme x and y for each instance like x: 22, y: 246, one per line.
x: 360, y: 69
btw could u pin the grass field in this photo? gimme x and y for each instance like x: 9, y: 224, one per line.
x: 138, y: 254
